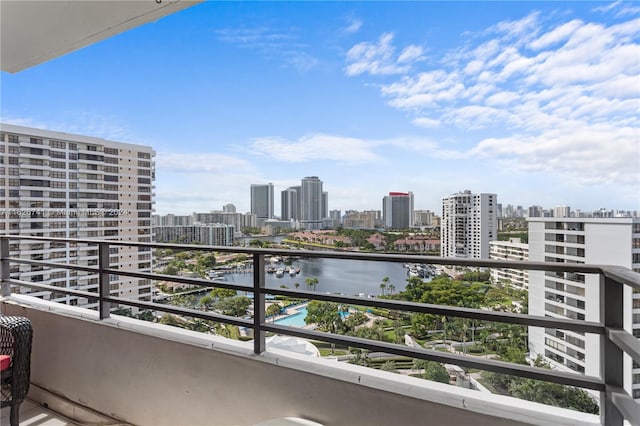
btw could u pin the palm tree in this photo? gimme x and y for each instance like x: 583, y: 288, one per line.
x: 392, y: 288
x: 296, y: 285
x: 311, y: 283
x: 384, y: 283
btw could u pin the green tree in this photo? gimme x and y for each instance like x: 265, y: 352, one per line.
x: 325, y: 315
x: 389, y: 366
x: 311, y: 283
x: 234, y: 306
x: 207, y: 261
x: 433, y: 370
x: 222, y: 293
x: 354, y: 319
x: 145, y: 315
x: 170, y: 269
x: 273, y: 310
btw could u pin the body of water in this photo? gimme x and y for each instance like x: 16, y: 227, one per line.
x: 350, y: 277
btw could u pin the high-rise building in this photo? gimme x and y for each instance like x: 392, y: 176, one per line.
x: 325, y: 205
x: 229, y: 208
x: 536, y: 211
x: 262, y: 200
x: 468, y: 224
x: 362, y: 220
x: 290, y: 202
x: 208, y: 234
x: 514, y: 250
x: 562, y: 211
x: 595, y: 241
x: 171, y: 220
x: 423, y: 218
x: 311, y: 203
x: 397, y: 210
x: 220, y: 217
x: 56, y: 184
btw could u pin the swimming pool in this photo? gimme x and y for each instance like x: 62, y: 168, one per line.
x: 297, y: 319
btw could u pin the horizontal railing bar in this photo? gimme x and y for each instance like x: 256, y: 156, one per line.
x: 69, y: 266
x: 480, y: 314
x: 560, y: 377
x: 623, y: 275
x: 627, y: 406
x: 625, y: 341
x: 182, y: 280
x: 345, y: 255
x: 63, y: 290
x: 181, y: 311
x: 161, y: 277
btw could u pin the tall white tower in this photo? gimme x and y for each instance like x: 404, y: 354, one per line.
x: 468, y: 225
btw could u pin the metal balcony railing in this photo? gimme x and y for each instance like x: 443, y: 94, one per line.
x: 616, y: 404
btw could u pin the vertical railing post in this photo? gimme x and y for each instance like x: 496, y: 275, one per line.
x: 5, y: 267
x: 103, y: 279
x: 611, y: 356
x: 259, y: 342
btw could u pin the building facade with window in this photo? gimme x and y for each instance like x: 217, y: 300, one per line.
x: 513, y: 249
x: 217, y: 234
x: 397, y: 210
x: 599, y: 241
x: 55, y: 184
x: 468, y: 224
x: 262, y: 200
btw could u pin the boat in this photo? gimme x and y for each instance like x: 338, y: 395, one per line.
x: 279, y: 272
x: 292, y: 272
x: 271, y: 270
x: 216, y: 275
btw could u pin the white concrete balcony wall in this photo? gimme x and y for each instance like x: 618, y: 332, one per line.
x: 150, y: 374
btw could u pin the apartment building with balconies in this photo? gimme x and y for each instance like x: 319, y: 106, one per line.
x: 60, y: 185
x: 513, y: 249
x: 614, y: 241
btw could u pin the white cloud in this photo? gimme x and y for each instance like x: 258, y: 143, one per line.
x: 271, y: 43
x: 199, y: 162
x: 316, y: 147
x: 82, y: 123
x: 410, y: 54
x: 569, y: 90
x: 380, y: 59
x: 557, y: 35
x: 426, y: 122
x: 598, y: 154
x: 353, y: 26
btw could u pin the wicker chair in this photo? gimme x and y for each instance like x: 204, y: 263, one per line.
x: 15, y: 341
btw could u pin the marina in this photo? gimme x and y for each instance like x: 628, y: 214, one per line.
x: 356, y: 277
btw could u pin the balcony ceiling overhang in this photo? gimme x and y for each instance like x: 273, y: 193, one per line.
x: 33, y: 32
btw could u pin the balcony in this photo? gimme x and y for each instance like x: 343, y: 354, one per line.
x: 148, y: 373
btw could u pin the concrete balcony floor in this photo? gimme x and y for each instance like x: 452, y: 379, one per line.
x: 42, y: 408
x: 32, y: 414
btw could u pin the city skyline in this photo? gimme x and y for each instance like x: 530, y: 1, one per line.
x: 527, y: 100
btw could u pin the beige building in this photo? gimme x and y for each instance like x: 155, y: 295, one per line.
x: 55, y: 184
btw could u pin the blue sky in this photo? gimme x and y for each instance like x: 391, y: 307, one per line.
x: 538, y: 102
